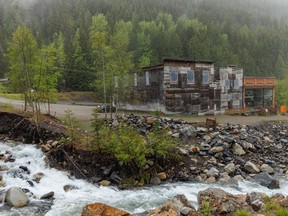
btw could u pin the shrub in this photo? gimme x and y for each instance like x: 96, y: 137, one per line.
x: 282, y: 212
x: 125, y: 144
x: 241, y: 212
x: 161, y: 143
x: 205, y: 209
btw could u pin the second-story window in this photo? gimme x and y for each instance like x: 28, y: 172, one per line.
x: 190, y: 77
x: 236, y: 84
x: 173, y: 76
x: 205, y: 78
x: 227, y: 84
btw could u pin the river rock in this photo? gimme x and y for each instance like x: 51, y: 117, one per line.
x: 238, y: 178
x: 266, y: 168
x: 67, y: 188
x: 4, y: 168
x: 155, y: 181
x: 48, y: 195
x: 221, y: 202
x: 230, y: 168
x: 250, y: 167
x: 15, y: 197
x: 101, y: 209
x: 211, y: 180
x: 149, y: 120
x: 266, y: 180
x: 162, y: 176
x: 213, y: 172
x: 238, y: 150
x: 178, y: 205
x: 37, y: 177
x: 104, y: 183
x: 215, y: 149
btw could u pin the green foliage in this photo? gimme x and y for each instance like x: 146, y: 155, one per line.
x: 125, y: 144
x: 161, y: 143
x: 281, y: 212
x: 272, y: 207
x: 72, y: 125
x: 241, y: 212
x: 128, y: 146
x: 205, y: 208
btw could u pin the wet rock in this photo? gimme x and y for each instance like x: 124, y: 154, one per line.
x: 266, y: 168
x: 48, y: 195
x: 101, y: 209
x: 115, y: 178
x: 4, y: 168
x: 238, y: 178
x: 256, y: 200
x: 67, y: 188
x: 45, y: 148
x: 155, y: 181
x: 15, y: 197
x: 162, y: 176
x: 104, y: 183
x: 250, y: 167
x: 221, y: 202
x: 178, y: 205
x: 37, y: 177
x: 211, y: 180
x: 266, y: 180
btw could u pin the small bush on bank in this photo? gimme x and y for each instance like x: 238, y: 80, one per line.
x: 130, y: 147
x: 205, y: 208
x: 241, y: 212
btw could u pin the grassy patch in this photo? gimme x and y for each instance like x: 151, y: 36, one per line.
x: 77, y: 96
x: 12, y: 96
x: 5, y: 107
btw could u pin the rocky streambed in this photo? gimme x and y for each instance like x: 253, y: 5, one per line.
x: 225, y: 155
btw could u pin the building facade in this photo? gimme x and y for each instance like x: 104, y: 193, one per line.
x: 190, y: 86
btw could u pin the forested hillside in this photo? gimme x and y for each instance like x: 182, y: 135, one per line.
x: 250, y: 34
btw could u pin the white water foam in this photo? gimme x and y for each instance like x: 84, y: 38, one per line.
x: 72, y: 202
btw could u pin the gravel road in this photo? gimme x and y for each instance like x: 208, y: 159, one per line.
x: 83, y: 113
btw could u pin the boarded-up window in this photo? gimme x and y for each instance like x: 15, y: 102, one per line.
x: 236, y: 84
x: 205, y: 78
x: 173, y: 76
x: 190, y: 77
x: 147, y: 76
x: 227, y: 84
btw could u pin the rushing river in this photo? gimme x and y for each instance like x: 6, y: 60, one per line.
x: 71, y: 202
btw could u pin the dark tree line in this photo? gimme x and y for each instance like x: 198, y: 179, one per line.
x: 250, y: 34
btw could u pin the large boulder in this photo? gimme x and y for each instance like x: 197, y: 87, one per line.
x: 101, y: 209
x: 178, y: 205
x: 15, y: 197
x: 221, y: 202
x: 250, y: 167
x: 266, y: 180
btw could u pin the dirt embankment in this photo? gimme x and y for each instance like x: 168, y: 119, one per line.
x: 21, y: 127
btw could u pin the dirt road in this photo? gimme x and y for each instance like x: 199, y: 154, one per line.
x: 84, y: 113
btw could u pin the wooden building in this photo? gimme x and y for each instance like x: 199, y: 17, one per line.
x: 259, y: 92
x: 188, y: 86
x: 195, y: 87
